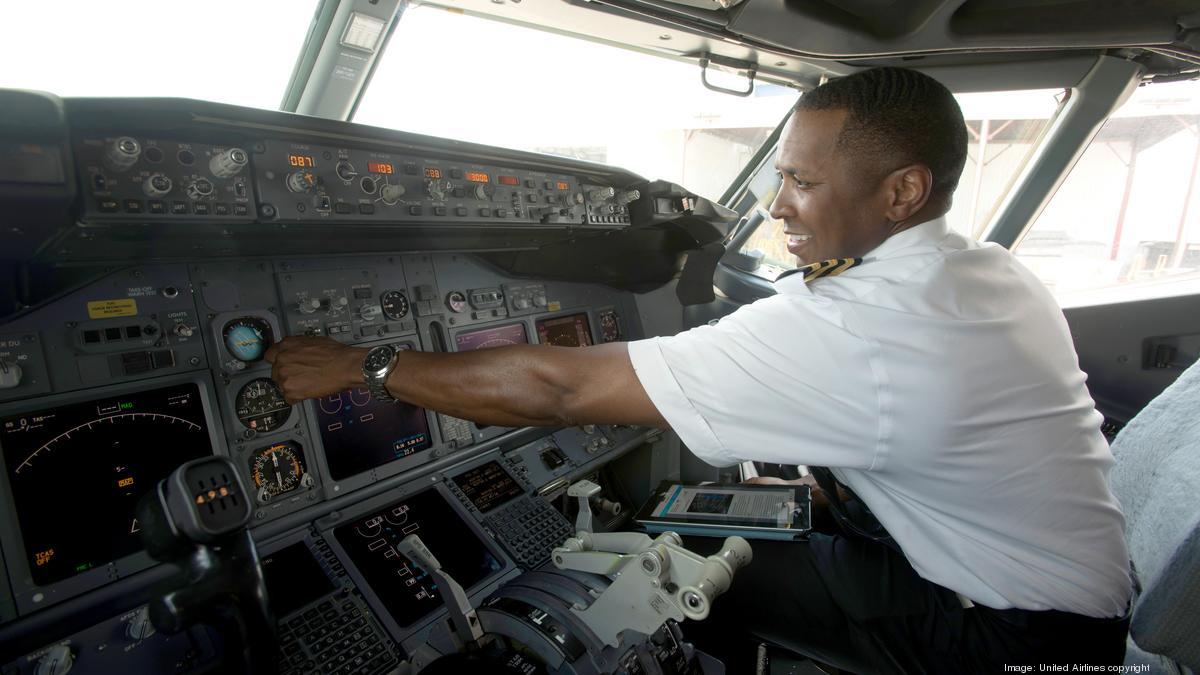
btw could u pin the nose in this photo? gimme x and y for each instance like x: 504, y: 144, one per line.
x: 780, y: 208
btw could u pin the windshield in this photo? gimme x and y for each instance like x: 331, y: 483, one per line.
x: 155, y: 48
x: 451, y: 75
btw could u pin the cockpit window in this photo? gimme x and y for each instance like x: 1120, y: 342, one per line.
x: 457, y: 76
x: 1125, y: 224
x: 230, y: 51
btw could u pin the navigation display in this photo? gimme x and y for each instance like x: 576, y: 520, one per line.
x: 361, y: 433
x: 487, y: 486
x: 572, y: 330
x: 407, y: 592
x: 294, y: 578
x: 498, y: 336
x: 77, y: 472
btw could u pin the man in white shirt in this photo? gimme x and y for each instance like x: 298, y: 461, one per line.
x: 935, y: 377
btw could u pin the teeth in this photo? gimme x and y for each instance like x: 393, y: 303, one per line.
x: 800, y: 238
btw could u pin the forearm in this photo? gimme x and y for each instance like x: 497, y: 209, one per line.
x: 520, y: 385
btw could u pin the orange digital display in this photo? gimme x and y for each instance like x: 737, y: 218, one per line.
x: 508, y: 180
x: 477, y: 177
x: 301, y: 160
x: 380, y: 167
x: 564, y: 185
x: 433, y: 172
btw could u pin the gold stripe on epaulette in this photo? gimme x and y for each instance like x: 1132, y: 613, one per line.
x: 827, y: 268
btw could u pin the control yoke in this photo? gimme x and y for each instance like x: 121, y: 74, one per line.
x: 196, y: 520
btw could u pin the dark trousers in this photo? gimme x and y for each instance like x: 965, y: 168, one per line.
x: 858, y: 605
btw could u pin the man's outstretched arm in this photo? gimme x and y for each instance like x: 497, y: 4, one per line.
x: 520, y: 385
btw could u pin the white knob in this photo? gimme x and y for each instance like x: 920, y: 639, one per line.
x: 390, y: 193
x: 521, y: 303
x: 139, y: 627
x: 601, y: 194
x: 122, y: 153
x: 157, y: 185
x: 10, y: 375
x: 539, y: 300
x: 184, y: 330
x: 57, y: 661
x: 227, y: 163
x: 309, y: 306
x: 368, y: 312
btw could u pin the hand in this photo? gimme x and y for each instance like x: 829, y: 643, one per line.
x: 312, y: 367
x: 818, y: 497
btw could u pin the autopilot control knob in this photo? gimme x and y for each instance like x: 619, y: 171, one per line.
x: 56, y: 661
x: 308, y: 306
x: 436, y: 188
x: 628, y: 196
x: 601, y: 194
x: 140, y: 627
x: 345, y: 170
x: 301, y: 181
x: 228, y: 163
x: 200, y: 188
x: 122, y: 153
x: 10, y: 375
x: 390, y: 193
x: 157, y: 185
x: 481, y: 192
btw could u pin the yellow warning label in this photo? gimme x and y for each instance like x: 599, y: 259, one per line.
x: 554, y: 306
x: 107, y: 309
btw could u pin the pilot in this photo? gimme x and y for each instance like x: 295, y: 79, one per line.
x: 932, y: 375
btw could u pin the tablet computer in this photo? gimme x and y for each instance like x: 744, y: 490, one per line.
x: 750, y: 511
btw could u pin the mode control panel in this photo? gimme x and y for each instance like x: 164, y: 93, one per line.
x: 134, y: 178
x: 302, y: 182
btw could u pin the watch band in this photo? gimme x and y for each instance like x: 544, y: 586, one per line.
x: 376, y: 371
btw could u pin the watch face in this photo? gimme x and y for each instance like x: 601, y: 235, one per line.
x: 378, y: 358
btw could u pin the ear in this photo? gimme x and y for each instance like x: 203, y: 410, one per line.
x: 907, y: 189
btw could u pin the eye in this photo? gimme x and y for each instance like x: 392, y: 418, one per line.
x: 802, y: 184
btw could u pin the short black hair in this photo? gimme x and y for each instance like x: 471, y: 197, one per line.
x: 897, y: 116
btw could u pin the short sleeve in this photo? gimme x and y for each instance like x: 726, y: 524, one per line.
x: 782, y: 380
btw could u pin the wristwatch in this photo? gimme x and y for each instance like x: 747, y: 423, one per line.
x: 377, y: 365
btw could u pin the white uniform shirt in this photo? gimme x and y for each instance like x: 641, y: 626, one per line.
x: 939, y: 381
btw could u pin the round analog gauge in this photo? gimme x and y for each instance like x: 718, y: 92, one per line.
x: 260, y: 406
x: 247, y: 338
x: 456, y: 301
x: 277, y: 469
x: 395, y: 305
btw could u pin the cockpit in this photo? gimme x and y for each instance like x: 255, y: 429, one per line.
x: 183, y: 186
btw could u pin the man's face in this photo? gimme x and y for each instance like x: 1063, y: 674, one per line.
x: 829, y: 209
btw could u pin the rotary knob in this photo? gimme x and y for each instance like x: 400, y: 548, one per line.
x: 521, y: 303
x: 122, y: 153
x: 56, y: 661
x: 140, y: 627
x: 301, y: 181
x: 199, y: 188
x: 391, y: 193
x: 368, y: 312
x: 157, y: 185
x: 481, y: 192
x: 436, y: 189
x: 10, y: 375
x: 601, y: 194
x: 308, y: 306
x: 345, y: 170
x: 228, y: 163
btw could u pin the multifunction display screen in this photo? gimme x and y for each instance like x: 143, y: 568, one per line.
x: 487, y: 486
x: 361, y: 433
x: 499, y: 336
x: 294, y: 578
x: 77, y: 472
x: 408, y: 593
x: 572, y: 330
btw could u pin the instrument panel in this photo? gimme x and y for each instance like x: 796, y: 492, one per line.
x: 225, y: 230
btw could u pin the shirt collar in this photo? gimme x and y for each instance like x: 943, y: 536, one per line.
x: 928, y: 233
